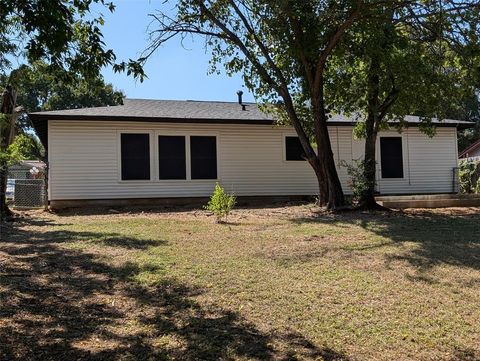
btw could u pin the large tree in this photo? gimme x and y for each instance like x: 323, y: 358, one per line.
x: 283, y: 49
x: 470, y: 111
x: 63, y: 33
x: 40, y: 88
x: 398, y: 65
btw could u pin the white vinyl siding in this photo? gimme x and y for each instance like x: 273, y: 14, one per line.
x: 84, y: 164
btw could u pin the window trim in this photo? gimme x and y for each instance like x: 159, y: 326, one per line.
x: 189, y: 165
x: 188, y: 160
x: 187, y: 136
x: 119, y: 155
x: 379, y: 157
x: 154, y: 161
x: 157, y: 159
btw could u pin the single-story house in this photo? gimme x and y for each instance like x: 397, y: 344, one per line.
x: 473, y: 151
x: 149, y: 149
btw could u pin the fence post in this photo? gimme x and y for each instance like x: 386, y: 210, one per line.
x: 45, y: 186
x: 454, y: 180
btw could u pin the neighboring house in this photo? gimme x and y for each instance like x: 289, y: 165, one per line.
x: 473, y: 151
x: 27, y: 169
x: 170, y: 149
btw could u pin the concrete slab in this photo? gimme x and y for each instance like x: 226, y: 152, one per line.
x: 430, y: 201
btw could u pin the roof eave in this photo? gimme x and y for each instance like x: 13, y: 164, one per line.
x: 43, y: 116
x: 460, y: 126
x: 39, y: 121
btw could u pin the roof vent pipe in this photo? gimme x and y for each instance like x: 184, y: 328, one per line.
x: 240, y: 93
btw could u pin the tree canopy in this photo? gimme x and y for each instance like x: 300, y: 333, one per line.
x: 39, y: 88
x: 428, y: 71
x: 59, y: 32
x: 385, y: 69
x: 62, y: 33
x: 470, y: 112
x: 290, y: 54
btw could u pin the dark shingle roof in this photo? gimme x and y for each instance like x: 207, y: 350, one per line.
x: 410, y: 119
x: 188, y: 111
x: 143, y: 109
x: 165, y: 109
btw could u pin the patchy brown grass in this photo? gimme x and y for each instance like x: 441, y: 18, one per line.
x: 281, y: 283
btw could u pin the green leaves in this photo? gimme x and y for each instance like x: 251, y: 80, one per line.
x: 65, y: 34
x: 221, y: 203
x: 422, y: 58
x: 45, y: 87
x: 469, y: 176
x: 359, y: 182
x: 24, y: 146
x: 132, y: 67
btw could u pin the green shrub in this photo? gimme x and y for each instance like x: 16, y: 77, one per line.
x: 221, y: 203
x: 477, y: 186
x: 469, y: 176
x: 358, y: 182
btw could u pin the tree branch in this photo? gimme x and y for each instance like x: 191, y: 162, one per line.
x: 331, y: 45
x: 259, y: 43
x: 388, y: 102
x: 237, y: 41
x: 298, y: 38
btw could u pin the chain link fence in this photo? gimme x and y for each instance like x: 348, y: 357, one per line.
x: 26, y: 187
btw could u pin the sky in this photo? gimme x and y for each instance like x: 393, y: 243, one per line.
x: 174, y: 71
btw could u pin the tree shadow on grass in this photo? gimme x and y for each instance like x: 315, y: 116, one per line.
x: 63, y: 236
x: 66, y: 304
x: 441, y: 239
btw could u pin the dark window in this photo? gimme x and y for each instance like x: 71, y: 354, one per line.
x: 171, y: 157
x: 391, y: 156
x: 203, y: 155
x: 135, y: 154
x: 294, y: 149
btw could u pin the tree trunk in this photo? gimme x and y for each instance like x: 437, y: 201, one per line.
x: 334, y: 192
x: 7, y: 134
x: 5, y: 213
x: 336, y: 199
x: 376, y: 113
x: 321, y: 179
x: 312, y: 157
x: 367, y: 200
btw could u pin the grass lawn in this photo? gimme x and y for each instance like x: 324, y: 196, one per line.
x: 281, y: 283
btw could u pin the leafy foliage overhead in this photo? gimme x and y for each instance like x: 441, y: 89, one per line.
x: 66, y: 36
x: 39, y: 88
x: 429, y: 70
x: 58, y: 32
x: 291, y: 55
